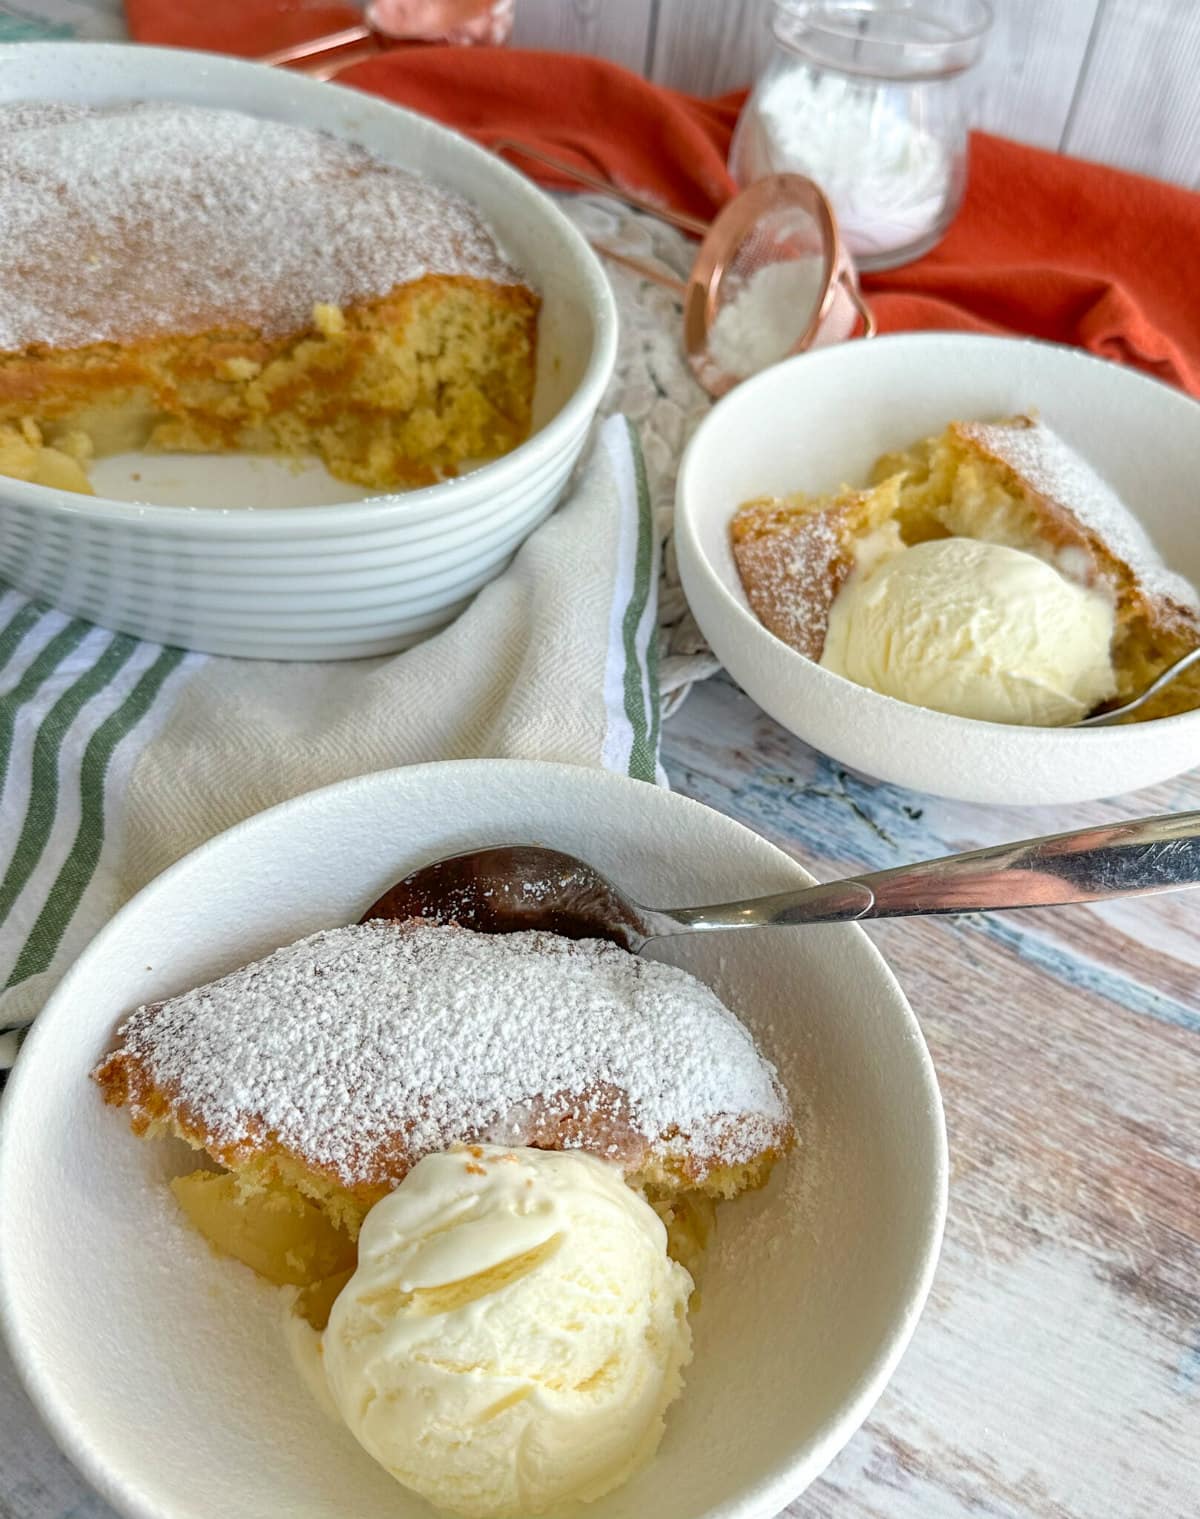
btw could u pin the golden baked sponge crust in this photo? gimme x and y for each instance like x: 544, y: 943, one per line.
x: 238, y: 284
x: 335, y: 1064
x: 398, y: 391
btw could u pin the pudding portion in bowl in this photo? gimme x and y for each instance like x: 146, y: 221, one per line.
x: 988, y: 572
x: 180, y: 279
x: 382, y: 1101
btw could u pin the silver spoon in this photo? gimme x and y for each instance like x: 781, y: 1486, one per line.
x: 523, y: 886
x: 1115, y: 714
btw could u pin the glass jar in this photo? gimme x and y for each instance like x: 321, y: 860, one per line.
x: 867, y: 97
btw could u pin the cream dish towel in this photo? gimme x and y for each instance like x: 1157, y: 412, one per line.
x: 118, y: 756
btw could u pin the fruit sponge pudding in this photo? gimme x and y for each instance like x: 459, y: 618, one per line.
x: 174, y: 278
x: 319, y: 1077
x: 1012, y: 483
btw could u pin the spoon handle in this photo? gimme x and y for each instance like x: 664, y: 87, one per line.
x: 1115, y: 714
x: 1114, y: 860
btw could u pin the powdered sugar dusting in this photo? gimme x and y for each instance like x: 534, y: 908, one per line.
x: 1054, y: 470
x: 764, y: 315
x: 792, y: 575
x: 809, y: 584
x: 139, y: 220
x: 355, y: 1035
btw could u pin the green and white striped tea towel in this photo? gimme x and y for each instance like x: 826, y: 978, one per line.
x: 118, y: 756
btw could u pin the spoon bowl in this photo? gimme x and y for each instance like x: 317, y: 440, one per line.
x: 517, y: 887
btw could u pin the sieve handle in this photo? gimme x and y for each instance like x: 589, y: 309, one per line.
x: 678, y: 219
x: 667, y: 281
x: 850, y: 286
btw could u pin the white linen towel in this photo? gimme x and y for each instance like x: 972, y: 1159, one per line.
x: 118, y: 756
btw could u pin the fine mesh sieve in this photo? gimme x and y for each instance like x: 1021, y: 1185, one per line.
x: 771, y: 277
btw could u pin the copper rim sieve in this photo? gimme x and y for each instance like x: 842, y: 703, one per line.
x: 837, y: 303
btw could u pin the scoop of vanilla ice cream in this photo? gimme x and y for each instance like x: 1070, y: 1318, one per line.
x: 975, y: 629
x: 514, y: 1331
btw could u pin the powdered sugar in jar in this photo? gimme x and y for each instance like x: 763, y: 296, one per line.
x: 866, y: 97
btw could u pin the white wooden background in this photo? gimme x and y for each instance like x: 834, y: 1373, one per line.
x: 1115, y: 80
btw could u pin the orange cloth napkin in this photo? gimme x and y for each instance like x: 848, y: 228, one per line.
x: 1044, y: 245
x: 245, y: 27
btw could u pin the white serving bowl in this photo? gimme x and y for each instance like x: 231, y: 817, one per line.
x: 821, y: 420
x: 161, y: 1369
x: 363, y: 576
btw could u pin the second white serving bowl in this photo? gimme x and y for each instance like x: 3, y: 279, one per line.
x: 162, y: 1370
x: 820, y: 421
x: 327, y: 581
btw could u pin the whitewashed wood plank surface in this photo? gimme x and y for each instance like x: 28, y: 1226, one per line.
x: 1056, y: 1371
x: 708, y: 46
x: 1024, y: 87
x: 616, y: 29
x: 1030, y: 73
x: 1139, y: 98
x: 1114, y: 80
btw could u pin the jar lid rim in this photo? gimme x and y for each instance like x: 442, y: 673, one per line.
x: 804, y: 25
